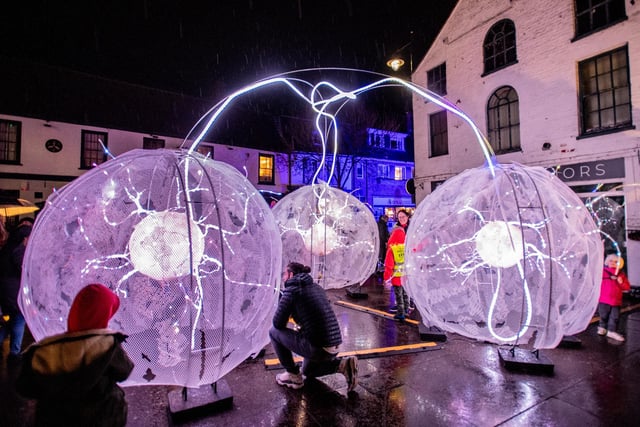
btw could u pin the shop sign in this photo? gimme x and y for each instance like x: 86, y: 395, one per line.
x: 587, y: 171
x: 392, y: 201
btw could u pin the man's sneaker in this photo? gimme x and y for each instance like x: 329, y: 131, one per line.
x: 290, y: 380
x: 399, y: 317
x: 615, y: 336
x: 602, y: 331
x: 349, y: 368
x: 393, y: 309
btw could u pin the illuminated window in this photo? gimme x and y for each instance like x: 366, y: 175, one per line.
x: 266, y: 172
x: 10, y: 141
x: 398, y: 173
x: 439, y: 134
x: 500, y: 46
x: 503, y: 119
x: 437, y: 79
x: 152, y: 143
x: 93, y: 149
x: 592, y: 15
x: 605, y: 92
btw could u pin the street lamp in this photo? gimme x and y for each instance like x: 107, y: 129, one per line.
x: 396, y: 61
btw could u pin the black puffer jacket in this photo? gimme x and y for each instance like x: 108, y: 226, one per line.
x: 74, y: 377
x: 310, y: 308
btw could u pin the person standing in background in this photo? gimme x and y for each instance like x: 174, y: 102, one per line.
x: 383, y: 232
x: 394, y: 265
x: 11, y: 256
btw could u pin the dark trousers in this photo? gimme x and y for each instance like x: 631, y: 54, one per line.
x: 402, y: 299
x: 317, y: 362
x: 609, y: 316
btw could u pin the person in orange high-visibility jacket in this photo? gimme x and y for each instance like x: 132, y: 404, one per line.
x: 394, y: 270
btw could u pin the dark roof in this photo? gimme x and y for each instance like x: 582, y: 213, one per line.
x: 58, y: 94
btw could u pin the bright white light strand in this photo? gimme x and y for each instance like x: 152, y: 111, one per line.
x: 538, y: 250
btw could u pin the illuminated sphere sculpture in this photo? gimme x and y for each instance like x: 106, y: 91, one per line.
x: 511, y: 258
x: 329, y: 230
x: 188, y: 244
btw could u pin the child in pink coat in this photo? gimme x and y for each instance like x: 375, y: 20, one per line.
x: 614, y: 283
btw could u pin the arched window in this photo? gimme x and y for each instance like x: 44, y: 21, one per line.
x: 503, y: 120
x: 500, y: 46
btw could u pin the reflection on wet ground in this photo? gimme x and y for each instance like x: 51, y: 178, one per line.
x: 462, y: 382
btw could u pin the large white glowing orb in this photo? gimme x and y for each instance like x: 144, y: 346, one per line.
x: 165, y: 245
x: 499, y: 244
x: 512, y: 258
x: 329, y: 230
x: 321, y: 239
x: 188, y: 244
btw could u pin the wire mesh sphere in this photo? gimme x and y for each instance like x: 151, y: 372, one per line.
x: 187, y: 243
x: 514, y: 258
x: 329, y: 230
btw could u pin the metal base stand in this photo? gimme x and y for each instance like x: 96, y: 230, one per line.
x: 431, y: 333
x: 570, y: 341
x: 355, y: 292
x: 530, y: 361
x: 190, y: 403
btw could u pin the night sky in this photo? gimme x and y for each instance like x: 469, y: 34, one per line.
x: 211, y: 48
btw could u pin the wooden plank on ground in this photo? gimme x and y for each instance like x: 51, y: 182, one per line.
x: 373, y: 311
x: 369, y: 353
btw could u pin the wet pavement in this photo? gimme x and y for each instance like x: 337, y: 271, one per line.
x: 460, y: 382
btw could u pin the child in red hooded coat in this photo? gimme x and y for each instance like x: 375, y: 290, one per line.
x: 614, y: 283
x: 74, y: 375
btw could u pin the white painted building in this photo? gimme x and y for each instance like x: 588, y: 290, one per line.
x: 551, y: 83
x: 52, y: 154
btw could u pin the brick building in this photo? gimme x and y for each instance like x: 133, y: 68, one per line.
x: 550, y: 83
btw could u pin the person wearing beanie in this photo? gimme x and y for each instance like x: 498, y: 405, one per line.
x: 74, y: 375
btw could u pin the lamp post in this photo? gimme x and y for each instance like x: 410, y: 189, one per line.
x: 396, y: 61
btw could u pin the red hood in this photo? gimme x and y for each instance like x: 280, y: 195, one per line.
x: 92, y: 308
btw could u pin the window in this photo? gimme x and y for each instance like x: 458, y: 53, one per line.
x: 436, y: 184
x: 359, y: 171
x: 152, y: 143
x: 503, y: 120
x: 10, y: 140
x: 206, y: 150
x: 439, y: 135
x: 383, y: 171
x: 309, y: 168
x: 592, y: 15
x: 437, y: 79
x: 265, y: 172
x: 93, y: 149
x: 605, y: 92
x: 398, y: 174
x: 386, y: 139
x: 500, y: 46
